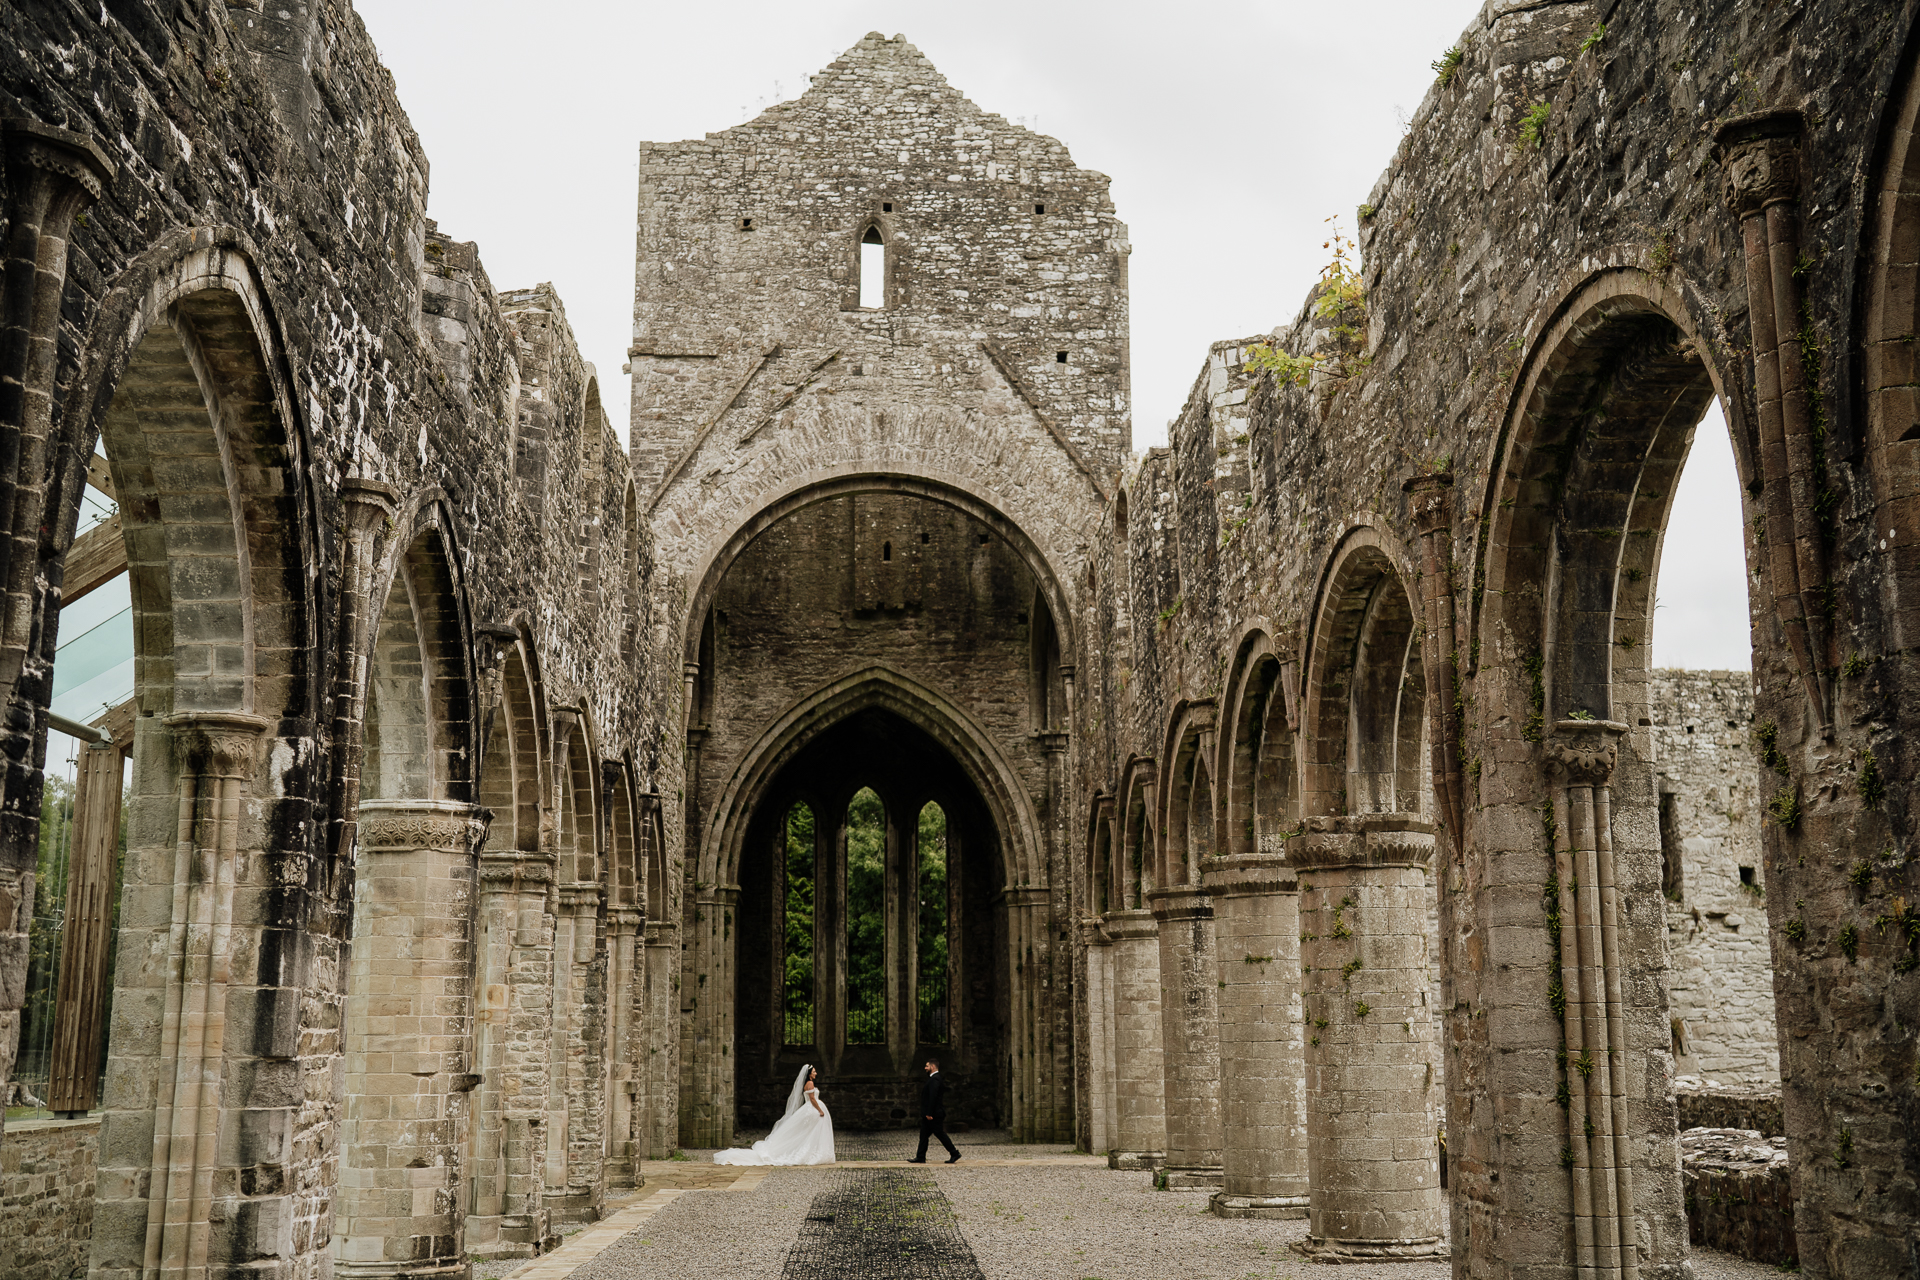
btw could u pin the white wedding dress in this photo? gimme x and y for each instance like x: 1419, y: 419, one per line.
x: 803, y: 1136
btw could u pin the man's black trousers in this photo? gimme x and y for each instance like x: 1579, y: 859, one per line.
x: 935, y: 1128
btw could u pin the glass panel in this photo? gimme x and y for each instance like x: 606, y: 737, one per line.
x: 933, y: 925
x: 866, y: 919
x: 797, y: 993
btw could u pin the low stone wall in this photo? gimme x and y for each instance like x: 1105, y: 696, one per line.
x: 46, y: 1197
x: 1713, y: 1106
x: 1739, y: 1194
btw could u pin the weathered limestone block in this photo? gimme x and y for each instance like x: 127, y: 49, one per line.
x: 1256, y: 906
x: 1371, y: 1153
x: 1190, y: 1021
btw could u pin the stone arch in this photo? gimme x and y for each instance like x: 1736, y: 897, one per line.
x: 419, y: 717
x: 1102, y: 853
x: 1597, y: 431
x: 633, y: 603
x: 1186, y: 800
x: 1137, y: 830
x: 1623, y: 338
x: 218, y: 523
x: 593, y: 478
x: 576, y: 791
x: 964, y: 461
x: 1259, y: 793
x: 514, y: 781
x: 183, y: 376
x: 1366, y: 690
x: 952, y: 727
x: 1891, y: 312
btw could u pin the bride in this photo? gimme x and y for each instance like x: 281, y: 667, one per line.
x: 803, y: 1136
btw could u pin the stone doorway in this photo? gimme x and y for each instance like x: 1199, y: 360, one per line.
x: 868, y: 918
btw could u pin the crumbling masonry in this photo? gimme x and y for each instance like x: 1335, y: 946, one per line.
x: 1280, y: 811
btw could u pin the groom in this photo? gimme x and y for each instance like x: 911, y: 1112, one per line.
x: 933, y: 1115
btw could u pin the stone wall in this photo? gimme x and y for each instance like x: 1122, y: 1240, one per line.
x: 1740, y: 1194
x: 1559, y: 275
x: 1720, y: 966
x: 46, y: 1198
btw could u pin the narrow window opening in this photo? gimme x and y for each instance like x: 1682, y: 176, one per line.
x: 932, y: 951
x: 886, y: 208
x: 746, y: 224
x: 1059, y: 357
x: 1746, y: 875
x: 797, y: 963
x: 1672, y: 867
x: 1039, y: 208
x: 866, y: 919
x: 886, y: 551
x: 873, y: 270
x: 983, y: 539
x: 925, y: 538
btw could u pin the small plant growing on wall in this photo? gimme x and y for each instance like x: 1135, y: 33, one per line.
x: 1533, y: 125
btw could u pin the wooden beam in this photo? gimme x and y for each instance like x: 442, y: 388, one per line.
x: 94, y: 559
x: 99, y: 477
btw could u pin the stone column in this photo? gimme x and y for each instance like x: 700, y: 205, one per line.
x: 407, y: 1042
x: 576, y: 1118
x: 52, y: 175
x: 1761, y: 155
x: 706, y: 1067
x: 1256, y: 905
x: 660, y: 1048
x: 1100, y: 1103
x: 1580, y: 757
x: 513, y: 1027
x: 1371, y: 1145
x: 1190, y: 1021
x: 1140, y: 1117
x: 188, y: 913
x: 1027, y: 914
x: 625, y: 1011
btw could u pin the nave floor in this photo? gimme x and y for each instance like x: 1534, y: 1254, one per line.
x: 1004, y: 1212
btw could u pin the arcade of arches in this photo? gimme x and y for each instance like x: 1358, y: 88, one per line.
x: 1292, y: 811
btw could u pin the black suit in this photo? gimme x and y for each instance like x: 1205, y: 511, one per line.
x: 933, y: 1115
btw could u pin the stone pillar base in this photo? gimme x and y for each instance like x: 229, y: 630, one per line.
x: 1136, y: 1159
x: 1323, y: 1249
x: 1222, y: 1205
x: 1189, y: 1177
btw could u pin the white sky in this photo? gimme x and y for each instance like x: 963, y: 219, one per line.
x: 1231, y: 131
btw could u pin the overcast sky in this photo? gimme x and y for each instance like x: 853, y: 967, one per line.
x: 1231, y: 131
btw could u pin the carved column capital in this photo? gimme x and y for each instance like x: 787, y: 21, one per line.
x: 1581, y: 753
x: 219, y: 744
x: 395, y: 825
x: 1430, y: 502
x: 1364, y: 840
x: 1760, y: 154
x: 59, y: 157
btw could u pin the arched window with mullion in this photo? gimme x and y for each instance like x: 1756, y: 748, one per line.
x: 798, y: 879
x: 932, y: 979
x: 866, y: 977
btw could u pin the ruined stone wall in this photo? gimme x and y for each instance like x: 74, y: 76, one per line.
x: 261, y: 155
x: 1720, y: 969
x: 46, y: 1197
x: 1558, y: 198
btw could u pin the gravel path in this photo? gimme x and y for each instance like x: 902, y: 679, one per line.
x: 1040, y: 1223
